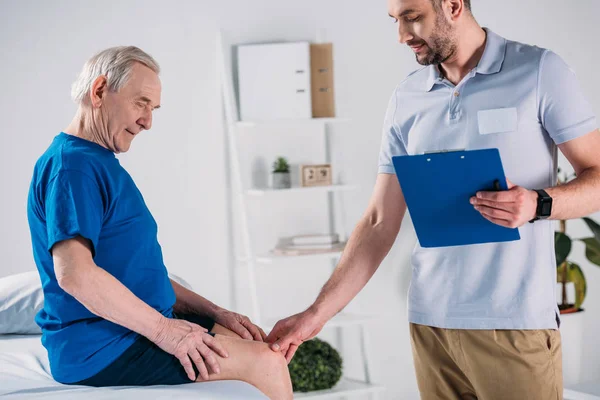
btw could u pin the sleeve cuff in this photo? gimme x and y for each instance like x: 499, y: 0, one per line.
x: 386, y: 169
x: 575, y: 131
x: 61, y: 237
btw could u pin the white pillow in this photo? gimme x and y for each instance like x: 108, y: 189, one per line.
x: 181, y: 281
x: 21, y: 297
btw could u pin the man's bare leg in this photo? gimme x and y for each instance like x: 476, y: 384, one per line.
x: 221, y: 330
x: 252, y: 362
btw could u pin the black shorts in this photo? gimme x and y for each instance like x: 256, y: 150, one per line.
x: 145, y: 364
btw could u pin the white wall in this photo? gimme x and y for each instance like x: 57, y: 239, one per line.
x: 180, y: 164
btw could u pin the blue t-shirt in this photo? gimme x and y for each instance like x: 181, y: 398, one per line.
x: 79, y: 188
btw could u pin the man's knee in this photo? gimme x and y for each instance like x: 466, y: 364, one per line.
x: 271, y: 362
x: 221, y: 330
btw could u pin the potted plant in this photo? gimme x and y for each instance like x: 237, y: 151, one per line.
x: 569, y: 272
x: 281, y: 174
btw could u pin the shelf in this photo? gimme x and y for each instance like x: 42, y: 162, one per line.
x: 329, y: 188
x: 272, y: 258
x: 576, y: 395
x: 340, y: 320
x: 235, y: 131
x: 275, y: 122
x: 345, y: 388
x: 583, y: 391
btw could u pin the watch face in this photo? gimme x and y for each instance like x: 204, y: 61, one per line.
x: 546, y: 208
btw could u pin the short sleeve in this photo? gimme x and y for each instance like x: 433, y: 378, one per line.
x: 564, y: 112
x: 392, y: 143
x: 73, y: 208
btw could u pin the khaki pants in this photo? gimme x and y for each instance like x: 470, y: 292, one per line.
x: 453, y: 364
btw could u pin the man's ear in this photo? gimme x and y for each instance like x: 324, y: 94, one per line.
x: 98, y: 91
x: 456, y: 8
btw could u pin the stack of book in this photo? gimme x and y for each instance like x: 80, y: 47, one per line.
x: 309, y: 244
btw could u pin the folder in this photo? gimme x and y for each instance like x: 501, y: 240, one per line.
x: 437, y: 188
x: 274, y: 81
x: 321, y: 76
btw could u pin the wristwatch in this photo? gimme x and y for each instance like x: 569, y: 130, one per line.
x: 544, y: 205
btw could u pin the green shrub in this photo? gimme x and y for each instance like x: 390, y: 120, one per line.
x: 316, y: 366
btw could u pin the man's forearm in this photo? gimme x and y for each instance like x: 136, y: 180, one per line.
x: 190, y: 302
x: 106, y: 297
x: 366, y: 249
x: 578, y: 198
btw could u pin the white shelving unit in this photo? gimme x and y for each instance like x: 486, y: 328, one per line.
x: 299, y: 190
x: 340, y: 320
x: 241, y: 124
x: 346, y: 388
x: 583, y: 391
x: 273, y: 258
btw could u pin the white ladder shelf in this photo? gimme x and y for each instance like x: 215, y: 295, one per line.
x: 346, y: 387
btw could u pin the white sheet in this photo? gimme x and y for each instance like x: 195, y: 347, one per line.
x: 25, y: 374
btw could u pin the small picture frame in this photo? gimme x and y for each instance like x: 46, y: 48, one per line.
x: 315, y: 175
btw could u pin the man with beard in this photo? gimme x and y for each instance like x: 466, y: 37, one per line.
x: 483, y: 318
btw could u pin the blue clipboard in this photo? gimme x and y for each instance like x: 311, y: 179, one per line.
x: 437, y: 188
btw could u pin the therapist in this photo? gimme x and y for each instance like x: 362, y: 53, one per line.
x: 483, y: 318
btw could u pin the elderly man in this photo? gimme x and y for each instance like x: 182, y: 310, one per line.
x: 111, y: 314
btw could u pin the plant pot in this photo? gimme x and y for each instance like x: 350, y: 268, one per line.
x: 282, y: 180
x: 571, y: 335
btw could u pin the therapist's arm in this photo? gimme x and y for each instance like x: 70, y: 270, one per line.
x: 578, y: 198
x: 369, y: 243
x: 581, y: 196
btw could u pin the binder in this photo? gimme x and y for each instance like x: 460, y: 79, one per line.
x: 437, y: 188
x: 274, y: 81
x: 321, y: 75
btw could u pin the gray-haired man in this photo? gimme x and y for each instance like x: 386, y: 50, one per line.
x: 111, y: 314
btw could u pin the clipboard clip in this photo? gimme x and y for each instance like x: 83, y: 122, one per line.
x: 443, y: 151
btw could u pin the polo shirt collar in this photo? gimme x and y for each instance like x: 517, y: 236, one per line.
x: 490, y: 63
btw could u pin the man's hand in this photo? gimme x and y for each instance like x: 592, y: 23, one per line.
x: 240, y: 325
x: 188, y: 341
x: 510, y: 208
x: 288, y: 334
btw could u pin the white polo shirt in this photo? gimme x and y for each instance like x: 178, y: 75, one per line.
x: 523, y: 100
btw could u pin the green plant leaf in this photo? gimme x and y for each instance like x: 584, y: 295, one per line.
x: 281, y: 165
x: 595, y: 228
x: 592, y: 250
x: 562, y: 247
x: 559, y: 273
x: 576, y: 276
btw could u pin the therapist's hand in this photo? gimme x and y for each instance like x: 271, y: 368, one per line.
x: 289, y: 333
x: 510, y: 208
